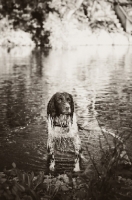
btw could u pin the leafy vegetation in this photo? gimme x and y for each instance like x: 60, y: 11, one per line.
x: 56, y: 23
x: 25, y: 16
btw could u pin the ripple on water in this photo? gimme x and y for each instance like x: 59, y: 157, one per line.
x: 99, y: 78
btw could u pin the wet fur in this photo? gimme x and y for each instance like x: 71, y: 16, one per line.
x: 52, y: 108
x: 62, y: 123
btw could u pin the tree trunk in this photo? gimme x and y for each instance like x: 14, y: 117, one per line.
x: 69, y: 12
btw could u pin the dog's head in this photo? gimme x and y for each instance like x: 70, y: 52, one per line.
x: 61, y: 104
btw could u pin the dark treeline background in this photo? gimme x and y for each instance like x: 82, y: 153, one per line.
x: 28, y: 16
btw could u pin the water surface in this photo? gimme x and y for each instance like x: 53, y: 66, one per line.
x: 99, y: 78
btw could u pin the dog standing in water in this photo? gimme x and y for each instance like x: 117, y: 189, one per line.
x: 62, y: 124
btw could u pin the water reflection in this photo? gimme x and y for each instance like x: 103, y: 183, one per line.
x: 100, y: 79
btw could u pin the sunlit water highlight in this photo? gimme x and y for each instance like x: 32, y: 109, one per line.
x: 99, y: 78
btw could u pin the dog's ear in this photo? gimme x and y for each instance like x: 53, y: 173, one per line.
x: 51, y: 110
x: 72, y: 104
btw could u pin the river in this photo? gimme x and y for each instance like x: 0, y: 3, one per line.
x: 98, y: 77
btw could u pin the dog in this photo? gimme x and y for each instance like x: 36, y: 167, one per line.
x: 62, y: 123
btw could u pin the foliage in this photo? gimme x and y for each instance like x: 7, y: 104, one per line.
x: 26, y: 16
x: 53, y: 23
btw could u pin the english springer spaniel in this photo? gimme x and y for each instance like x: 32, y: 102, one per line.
x: 62, y: 124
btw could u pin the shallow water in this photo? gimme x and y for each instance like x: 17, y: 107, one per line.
x: 99, y: 78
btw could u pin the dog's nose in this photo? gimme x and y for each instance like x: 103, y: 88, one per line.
x: 67, y: 107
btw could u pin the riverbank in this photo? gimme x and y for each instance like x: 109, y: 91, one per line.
x: 75, y: 37
x: 61, y: 25
x: 71, y: 39
x: 10, y: 37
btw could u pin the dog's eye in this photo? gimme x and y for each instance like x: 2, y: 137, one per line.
x: 68, y: 99
x: 60, y: 100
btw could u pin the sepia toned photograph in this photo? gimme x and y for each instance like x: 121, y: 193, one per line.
x: 65, y: 100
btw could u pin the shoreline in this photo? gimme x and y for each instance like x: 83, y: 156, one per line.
x: 102, y: 37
